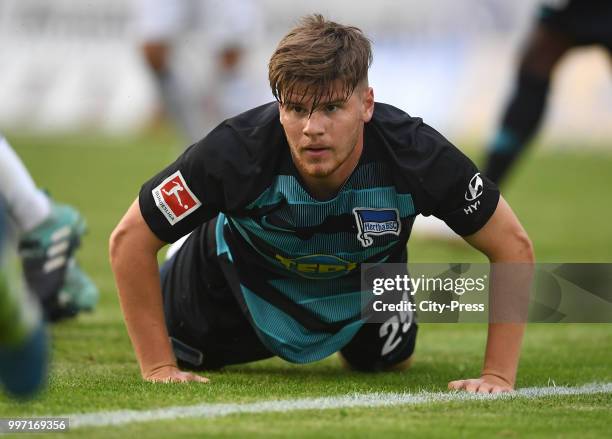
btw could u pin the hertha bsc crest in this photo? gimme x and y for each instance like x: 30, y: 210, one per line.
x: 373, y: 222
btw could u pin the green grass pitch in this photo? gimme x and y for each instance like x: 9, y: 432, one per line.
x: 564, y: 202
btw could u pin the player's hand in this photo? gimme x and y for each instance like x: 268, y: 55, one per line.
x: 172, y: 374
x: 484, y: 384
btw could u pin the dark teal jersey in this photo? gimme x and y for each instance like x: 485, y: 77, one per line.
x: 292, y: 261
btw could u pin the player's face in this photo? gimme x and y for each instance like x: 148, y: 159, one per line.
x: 327, y: 143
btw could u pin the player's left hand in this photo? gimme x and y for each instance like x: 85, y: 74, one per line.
x: 484, y: 384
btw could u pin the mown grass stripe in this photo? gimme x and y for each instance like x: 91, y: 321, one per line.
x: 122, y: 417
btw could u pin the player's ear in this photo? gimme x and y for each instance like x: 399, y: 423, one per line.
x: 280, y: 113
x: 367, y: 103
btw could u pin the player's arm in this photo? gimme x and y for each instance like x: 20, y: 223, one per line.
x: 133, y: 256
x: 503, y: 240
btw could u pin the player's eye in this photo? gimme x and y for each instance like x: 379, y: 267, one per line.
x: 297, y: 109
x: 330, y: 108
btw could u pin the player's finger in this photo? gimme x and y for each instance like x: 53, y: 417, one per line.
x: 184, y: 377
x: 501, y: 389
x: 158, y: 379
x: 164, y: 380
x: 174, y: 378
x: 484, y: 388
x: 198, y: 378
x: 472, y: 386
x: 456, y: 385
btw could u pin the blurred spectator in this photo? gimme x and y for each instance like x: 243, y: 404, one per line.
x: 229, y: 27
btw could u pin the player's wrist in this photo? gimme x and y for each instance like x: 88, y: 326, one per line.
x: 498, y: 377
x: 158, y: 370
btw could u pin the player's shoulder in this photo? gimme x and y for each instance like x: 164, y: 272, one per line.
x: 266, y: 115
x: 254, y: 126
x: 415, y: 152
x: 252, y: 136
x: 391, y: 117
x: 406, y: 134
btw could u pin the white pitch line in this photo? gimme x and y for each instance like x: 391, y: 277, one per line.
x: 122, y: 417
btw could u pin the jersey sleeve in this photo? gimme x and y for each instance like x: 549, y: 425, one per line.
x: 452, y: 188
x: 186, y: 193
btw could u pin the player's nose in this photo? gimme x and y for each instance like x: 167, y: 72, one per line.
x: 314, y: 125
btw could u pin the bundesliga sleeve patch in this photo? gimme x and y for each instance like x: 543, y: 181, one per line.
x: 174, y: 198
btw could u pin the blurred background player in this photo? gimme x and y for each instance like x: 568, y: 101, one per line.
x: 24, y: 347
x: 562, y: 25
x: 209, y: 82
x: 49, y: 235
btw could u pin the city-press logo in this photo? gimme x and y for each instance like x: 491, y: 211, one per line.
x: 374, y: 222
x: 174, y: 198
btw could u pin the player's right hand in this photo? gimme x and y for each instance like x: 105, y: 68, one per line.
x: 172, y: 374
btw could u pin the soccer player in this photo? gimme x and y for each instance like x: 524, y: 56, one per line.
x: 562, y: 25
x: 24, y: 346
x: 282, y: 203
x: 229, y: 27
x: 49, y: 234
